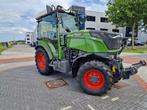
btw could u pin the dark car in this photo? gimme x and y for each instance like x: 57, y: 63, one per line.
x: 137, y: 43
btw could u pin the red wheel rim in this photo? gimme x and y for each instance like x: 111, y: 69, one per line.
x: 41, y: 60
x: 94, y: 79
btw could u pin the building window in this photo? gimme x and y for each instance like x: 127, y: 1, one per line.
x: 115, y: 30
x: 28, y: 38
x: 103, y: 19
x: 103, y: 29
x: 91, y: 18
x: 90, y: 28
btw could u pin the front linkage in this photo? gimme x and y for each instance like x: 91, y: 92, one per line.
x: 120, y: 72
x: 133, y: 69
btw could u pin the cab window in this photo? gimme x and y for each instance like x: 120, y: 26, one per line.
x: 47, y: 27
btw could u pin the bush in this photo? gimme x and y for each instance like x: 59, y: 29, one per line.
x: 1, y: 47
x: 4, y: 46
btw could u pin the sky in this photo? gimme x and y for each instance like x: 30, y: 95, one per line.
x: 18, y: 16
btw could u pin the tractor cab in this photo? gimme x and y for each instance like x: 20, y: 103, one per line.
x: 50, y: 26
x: 54, y: 25
x: 58, y: 21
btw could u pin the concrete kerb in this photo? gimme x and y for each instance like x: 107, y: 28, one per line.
x: 9, y: 66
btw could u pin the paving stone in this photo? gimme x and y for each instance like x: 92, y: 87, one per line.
x: 23, y: 88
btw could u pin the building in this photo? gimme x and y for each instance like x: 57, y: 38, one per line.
x: 142, y: 36
x: 99, y: 21
x: 29, y: 39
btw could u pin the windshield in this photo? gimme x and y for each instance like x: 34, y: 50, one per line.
x: 68, y: 22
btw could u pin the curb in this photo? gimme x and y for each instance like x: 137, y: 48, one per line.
x: 9, y: 66
x: 15, y: 60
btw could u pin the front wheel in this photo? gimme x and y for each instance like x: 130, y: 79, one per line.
x: 42, y: 62
x: 94, y: 78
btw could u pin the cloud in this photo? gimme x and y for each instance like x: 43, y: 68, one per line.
x: 97, y: 7
x: 10, y: 1
x: 94, y: 5
x: 64, y: 3
x: 18, y: 16
x: 19, y: 30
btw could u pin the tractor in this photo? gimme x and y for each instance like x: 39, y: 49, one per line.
x: 91, y: 56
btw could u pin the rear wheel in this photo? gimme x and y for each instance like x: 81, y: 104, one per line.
x: 94, y: 78
x: 42, y: 62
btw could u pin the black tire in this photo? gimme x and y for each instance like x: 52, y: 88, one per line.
x: 47, y: 70
x: 103, y: 70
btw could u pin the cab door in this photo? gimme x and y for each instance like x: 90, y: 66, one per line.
x: 47, y: 33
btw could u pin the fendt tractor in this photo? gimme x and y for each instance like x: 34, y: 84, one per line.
x: 92, y: 57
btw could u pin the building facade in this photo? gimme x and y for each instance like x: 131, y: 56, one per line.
x: 29, y: 38
x: 99, y: 21
x: 142, y: 36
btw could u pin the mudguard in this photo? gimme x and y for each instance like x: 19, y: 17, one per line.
x: 87, y: 57
x: 48, y: 47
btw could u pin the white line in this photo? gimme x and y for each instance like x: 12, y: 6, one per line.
x: 90, y: 107
x: 114, y: 99
x: 66, y: 108
x: 105, y: 97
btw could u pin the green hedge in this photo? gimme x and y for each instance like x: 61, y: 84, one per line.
x: 136, y: 50
x: 1, y: 47
x: 4, y: 46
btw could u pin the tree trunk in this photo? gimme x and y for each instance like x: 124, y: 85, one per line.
x: 133, y: 34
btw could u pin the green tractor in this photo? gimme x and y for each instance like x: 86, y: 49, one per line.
x: 91, y: 56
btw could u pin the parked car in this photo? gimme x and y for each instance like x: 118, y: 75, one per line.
x: 139, y: 43
x: 136, y: 43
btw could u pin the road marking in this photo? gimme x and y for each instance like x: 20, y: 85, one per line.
x: 105, y: 97
x: 91, y: 108
x: 66, y: 108
x: 114, y: 99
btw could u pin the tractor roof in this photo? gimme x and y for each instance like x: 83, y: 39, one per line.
x: 51, y: 11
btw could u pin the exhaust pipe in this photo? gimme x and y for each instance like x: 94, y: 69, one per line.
x: 127, y: 72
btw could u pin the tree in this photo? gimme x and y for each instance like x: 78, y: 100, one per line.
x: 129, y: 13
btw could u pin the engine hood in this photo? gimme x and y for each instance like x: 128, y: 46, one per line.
x: 112, y: 41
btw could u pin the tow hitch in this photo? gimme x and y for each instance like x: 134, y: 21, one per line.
x: 127, y: 72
